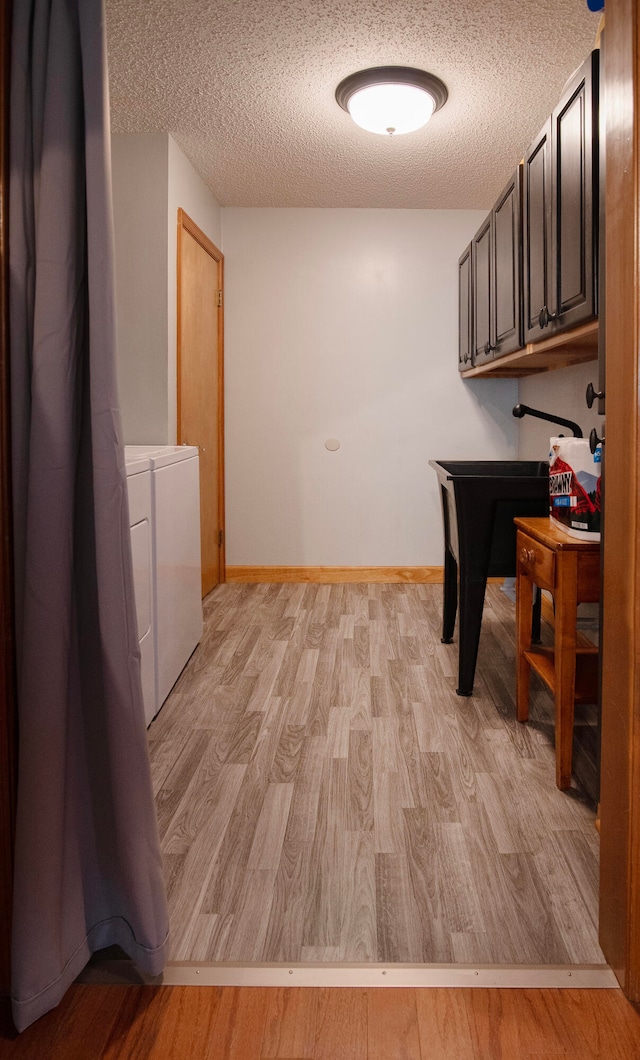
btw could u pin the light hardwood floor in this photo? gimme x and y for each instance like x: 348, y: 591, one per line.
x: 231, y: 1023
x: 324, y: 795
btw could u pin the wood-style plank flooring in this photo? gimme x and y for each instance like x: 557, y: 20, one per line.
x: 240, y: 1023
x: 324, y: 795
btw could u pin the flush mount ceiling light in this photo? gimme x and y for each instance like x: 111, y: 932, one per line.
x: 391, y: 99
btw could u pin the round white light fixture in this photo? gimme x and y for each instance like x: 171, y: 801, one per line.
x: 391, y: 99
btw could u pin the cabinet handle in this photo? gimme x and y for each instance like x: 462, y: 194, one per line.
x: 592, y: 394
x: 488, y: 348
x: 527, y: 555
x: 594, y: 441
x: 546, y: 317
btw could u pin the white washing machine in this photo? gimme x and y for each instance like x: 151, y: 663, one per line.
x: 140, y: 518
x: 177, y: 584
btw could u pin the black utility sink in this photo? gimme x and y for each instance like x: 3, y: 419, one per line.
x: 480, y: 499
x: 509, y: 469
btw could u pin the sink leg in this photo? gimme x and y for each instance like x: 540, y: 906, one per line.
x: 471, y: 604
x: 450, y: 598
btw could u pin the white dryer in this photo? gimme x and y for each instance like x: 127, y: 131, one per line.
x: 140, y: 517
x: 177, y: 584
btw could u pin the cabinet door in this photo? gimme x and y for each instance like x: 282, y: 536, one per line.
x: 536, y: 232
x: 481, y: 260
x: 506, y: 269
x: 465, y: 311
x: 575, y: 205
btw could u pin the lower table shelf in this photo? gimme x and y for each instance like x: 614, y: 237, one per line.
x: 542, y: 662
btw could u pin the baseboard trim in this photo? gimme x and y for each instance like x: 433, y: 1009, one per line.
x: 336, y: 575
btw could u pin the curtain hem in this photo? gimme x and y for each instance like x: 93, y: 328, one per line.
x: 115, y: 931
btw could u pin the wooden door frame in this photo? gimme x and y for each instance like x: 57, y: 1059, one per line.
x: 620, y: 760
x: 186, y: 224
x: 8, y: 728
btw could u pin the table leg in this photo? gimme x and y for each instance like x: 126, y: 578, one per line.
x: 565, y: 661
x: 524, y: 602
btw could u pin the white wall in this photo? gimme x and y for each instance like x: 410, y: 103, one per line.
x: 560, y: 392
x: 139, y: 172
x: 343, y: 323
x: 151, y: 179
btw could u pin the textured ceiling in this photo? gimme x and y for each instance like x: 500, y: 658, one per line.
x: 246, y: 88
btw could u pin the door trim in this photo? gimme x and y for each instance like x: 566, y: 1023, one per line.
x: 620, y: 759
x: 8, y: 727
x: 186, y: 224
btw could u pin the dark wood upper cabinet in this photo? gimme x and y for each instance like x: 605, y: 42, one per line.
x: 506, y: 268
x: 481, y: 267
x: 536, y: 231
x: 465, y: 310
x: 496, y: 272
x: 561, y: 211
x: 534, y: 260
x: 575, y: 216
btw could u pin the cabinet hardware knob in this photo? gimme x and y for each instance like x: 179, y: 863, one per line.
x: 592, y: 394
x: 488, y: 348
x: 594, y: 440
x: 527, y: 555
x: 546, y: 317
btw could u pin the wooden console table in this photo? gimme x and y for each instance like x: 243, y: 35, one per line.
x: 570, y: 570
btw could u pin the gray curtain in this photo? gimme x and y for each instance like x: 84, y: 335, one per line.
x: 88, y: 864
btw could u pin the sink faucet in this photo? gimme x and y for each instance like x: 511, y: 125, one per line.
x: 523, y: 410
